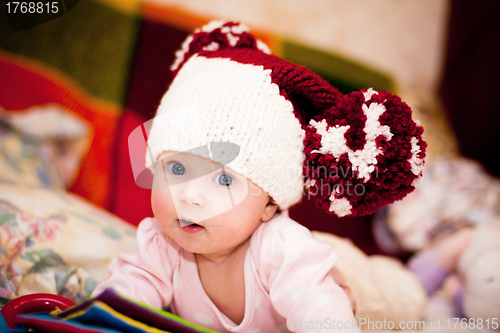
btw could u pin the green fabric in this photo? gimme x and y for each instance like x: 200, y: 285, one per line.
x: 343, y: 74
x: 168, y: 314
x: 93, y: 44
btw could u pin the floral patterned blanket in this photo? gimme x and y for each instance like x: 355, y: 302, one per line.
x: 51, y: 241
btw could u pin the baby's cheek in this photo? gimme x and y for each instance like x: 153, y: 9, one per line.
x: 161, y: 203
x: 164, y: 211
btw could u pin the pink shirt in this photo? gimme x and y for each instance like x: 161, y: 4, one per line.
x: 288, y: 286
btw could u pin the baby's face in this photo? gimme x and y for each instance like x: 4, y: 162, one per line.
x: 206, y: 208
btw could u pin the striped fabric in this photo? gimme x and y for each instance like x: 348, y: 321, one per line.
x: 109, y: 313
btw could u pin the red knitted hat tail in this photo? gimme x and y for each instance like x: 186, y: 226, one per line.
x: 366, y: 152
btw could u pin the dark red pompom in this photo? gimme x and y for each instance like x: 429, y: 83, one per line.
x: 363, y: 153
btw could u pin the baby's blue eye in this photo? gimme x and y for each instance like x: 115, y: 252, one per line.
x: 224, y: 179
x: 177, y: 169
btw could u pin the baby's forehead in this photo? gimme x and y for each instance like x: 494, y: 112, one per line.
x: 170, y: 153
x: 185, y: 156
x: 193, y: 159
x: 220, y: 152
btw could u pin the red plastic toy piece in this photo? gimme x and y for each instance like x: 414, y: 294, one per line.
x: 33, y: 303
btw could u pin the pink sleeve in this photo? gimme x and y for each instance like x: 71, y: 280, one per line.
x: 295, y: 268
x: 145, y: 274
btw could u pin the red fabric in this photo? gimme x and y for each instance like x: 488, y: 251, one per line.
x: 130, y: 202
x: 149, y: 79
x: 470, y: 85
x: 150, y: 74
x: 356, y: 228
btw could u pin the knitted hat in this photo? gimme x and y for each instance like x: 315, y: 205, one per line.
x: 354, y: 153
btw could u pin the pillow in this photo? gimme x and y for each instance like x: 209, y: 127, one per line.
x: 382, y: 288
x: 42, y: 146
x: 453, y: 193
x: 55, y: 242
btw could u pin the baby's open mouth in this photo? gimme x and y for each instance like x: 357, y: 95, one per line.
x: 190, y: 227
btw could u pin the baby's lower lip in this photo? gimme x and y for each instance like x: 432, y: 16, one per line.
x: 189, y: 227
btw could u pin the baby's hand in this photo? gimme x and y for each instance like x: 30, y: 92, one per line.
x: 339, y: 279
x: 452, y: 285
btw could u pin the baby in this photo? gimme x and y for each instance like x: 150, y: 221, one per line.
x: 230, y: 149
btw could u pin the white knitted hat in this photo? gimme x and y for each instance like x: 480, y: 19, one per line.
x: 285, y: 121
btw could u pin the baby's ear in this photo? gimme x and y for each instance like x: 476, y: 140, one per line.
x: 269, y: 211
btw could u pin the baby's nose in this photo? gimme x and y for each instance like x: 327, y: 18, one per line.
x: 192, y: 193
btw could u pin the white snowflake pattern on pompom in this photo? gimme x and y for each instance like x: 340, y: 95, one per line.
x: 369, y: 93
x: 333, y: 139
x: 310, y: 183
x: 417, y: 163
x: 341, y: 207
